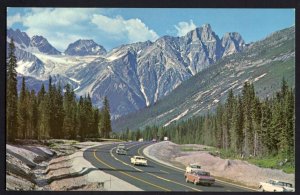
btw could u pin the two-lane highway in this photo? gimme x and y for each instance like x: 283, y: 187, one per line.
x: 154, y: 177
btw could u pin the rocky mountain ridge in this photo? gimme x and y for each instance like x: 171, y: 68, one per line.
x: 132, y: 76
x: 264, y: 63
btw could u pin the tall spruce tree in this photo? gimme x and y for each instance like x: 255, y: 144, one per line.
x: 43, y: 121
x: 105, y: 124
x: 59, y: 113
x: 69, y: 104
x: 23, y: 111
x: 81, y: 119
x: 34, y: 115
x: 11, y: 95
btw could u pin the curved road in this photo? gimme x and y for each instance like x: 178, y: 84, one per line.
x: 154, y: 177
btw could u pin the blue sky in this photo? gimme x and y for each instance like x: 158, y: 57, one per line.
x: 112, y: 27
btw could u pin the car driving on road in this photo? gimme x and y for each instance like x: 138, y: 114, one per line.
x: 198, y: 177
x: 276, y: 186
x: 192, y: 167
x: 138, y: 160
x: 121, y: 151
x: 121, y: 146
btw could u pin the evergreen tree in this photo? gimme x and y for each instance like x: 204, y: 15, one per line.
x: 88, y: 107
x: 268, y: 142
x: 33, y: 115
x: 59, y: 112
x: 96, y: 121
x: 69, y: 103
x: 43, y: 121
x: 23, y: 111
x: 81, y: 119
x: 11, y: 95
x: 106, y: 124
x: 290, y: 124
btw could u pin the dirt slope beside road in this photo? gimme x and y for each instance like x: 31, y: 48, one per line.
x: 234, y: 170
x: 36, y: 167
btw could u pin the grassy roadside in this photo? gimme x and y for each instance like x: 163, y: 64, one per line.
x: 273, y: 162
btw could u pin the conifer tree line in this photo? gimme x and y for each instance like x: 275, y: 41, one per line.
x: 243, y: 125
x: 55, y: 113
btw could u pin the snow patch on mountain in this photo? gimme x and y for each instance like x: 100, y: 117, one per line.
x: 23, y: 66
x: 145, y: 96
x: 261, y: 76
x: 177, y: 118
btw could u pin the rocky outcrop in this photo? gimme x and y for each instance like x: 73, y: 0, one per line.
x: 43, y: 46
x: 85, y: 47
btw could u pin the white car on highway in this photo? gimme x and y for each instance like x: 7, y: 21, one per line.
x: 121, y: 151
x: 138, y: 160
x: 192, y: 167
x: 276, y: 186
x: 121, y: 146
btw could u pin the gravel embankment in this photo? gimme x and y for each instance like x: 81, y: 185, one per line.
x: 36, y: 167
x: 233, y: 170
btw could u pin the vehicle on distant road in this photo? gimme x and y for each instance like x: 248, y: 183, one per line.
x: 138, y: 160
x: 193, y: 167
x: 153, y: 140
x: 166, y: 138
x: 121, y: 151
x: 276, y: 186
x: 121, y: 146
x: 141, y: 140
x: 199, y: 177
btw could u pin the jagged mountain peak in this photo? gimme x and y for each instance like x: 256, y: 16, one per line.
x: 21, y: 38
x: 203, y: 34
x: 34, y: 44
x: 139, y: 74
x: 206, y: 27
x: 42, y: 44
x: 83, y: 47
x: 232, y: 42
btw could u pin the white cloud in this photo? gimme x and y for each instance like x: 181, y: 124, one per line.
x: 133, y: 30
x: 62, y: 26
x: 184, y: 27
x: 13, y: 19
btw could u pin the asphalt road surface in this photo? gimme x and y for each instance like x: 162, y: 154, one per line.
x: 154, y: 177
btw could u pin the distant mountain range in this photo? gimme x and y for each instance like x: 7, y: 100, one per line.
x: 132, y: 76
x: 263, y: 63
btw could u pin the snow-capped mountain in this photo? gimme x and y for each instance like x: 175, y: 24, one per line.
x: 21, y: 39
x: 85, y: 47
x: 43, y: 46
x: 264, y: 63
x: 136, y: 75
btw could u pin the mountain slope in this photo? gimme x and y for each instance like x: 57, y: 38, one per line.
x: 137, y: 75
x: 264, y: 63
x: 132, y: 76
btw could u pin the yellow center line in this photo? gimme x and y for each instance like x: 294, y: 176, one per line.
x: 159, y: 177
x: 112, y: 155
x: 98, y: 159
